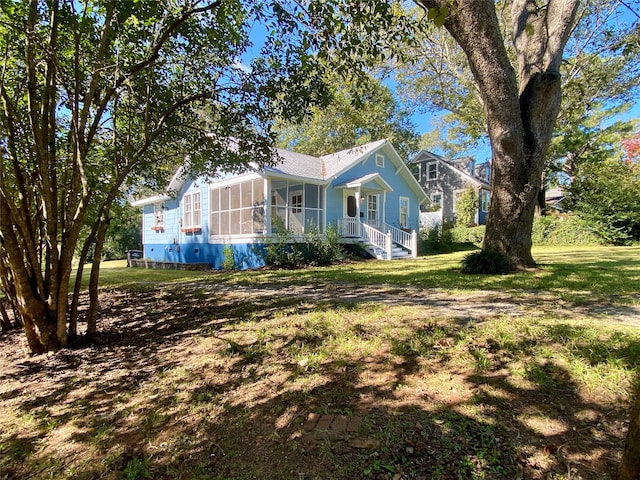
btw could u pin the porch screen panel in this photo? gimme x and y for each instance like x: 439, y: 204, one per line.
x: 312, y: 220
x: 295, y: 210
x: 295, y: 206
x: 257, y: 210
x: 224, y: 223
x: 214, y: 227
x: 237, y: 209
x: 278, y: 205
x: 313, y: 207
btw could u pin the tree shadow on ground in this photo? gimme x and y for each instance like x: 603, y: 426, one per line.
x: 176, y: 387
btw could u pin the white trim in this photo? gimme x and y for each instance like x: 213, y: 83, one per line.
x: 380, y: 157
x: 193, y: 210
x: 437, y: 164
x: 143, y: 202
x: 456, y: 195
x: 408, y: 213
x: 484, y: 192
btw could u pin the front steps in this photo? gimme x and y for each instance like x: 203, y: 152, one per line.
x: 397, y: 252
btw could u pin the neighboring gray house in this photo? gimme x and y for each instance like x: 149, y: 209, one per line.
x: 444, y: 180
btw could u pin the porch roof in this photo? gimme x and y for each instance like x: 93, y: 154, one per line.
x: 367, y: 181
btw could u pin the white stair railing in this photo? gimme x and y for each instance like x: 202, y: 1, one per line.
x: 377, y: 238
x: 353, y: 228
x: 349, y: 227
x: 408, y: 240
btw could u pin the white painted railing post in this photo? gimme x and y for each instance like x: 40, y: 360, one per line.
x: 414, y: 244
x: 389, y: 246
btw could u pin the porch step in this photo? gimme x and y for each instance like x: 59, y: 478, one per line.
x: 380, y: 254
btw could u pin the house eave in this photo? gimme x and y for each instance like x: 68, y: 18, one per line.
x: 150, y: 200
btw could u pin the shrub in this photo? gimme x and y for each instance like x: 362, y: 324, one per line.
x: 462, y: 234
x: 229, y: 261
x: 287, y: 250
x: 436, y: 239
x: 323, y: 248
x: 564, y: 229
x: 486, y: 262
x: 466, y: 207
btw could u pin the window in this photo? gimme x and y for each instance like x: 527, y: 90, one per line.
x: 484, y: 201
x: 191, y: 212
x: 415, y: 170
x: 404, y: 212
x: 237, y: 209
x: 432, y: 171
x: 296, y: 203
x: 158, y: 217
x: 436, y: 201
x: 379, y: 160
x: 372, y: 210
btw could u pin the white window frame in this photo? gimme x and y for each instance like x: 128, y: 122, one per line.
x: 189, y: 210
x: 158, y: 216
x: 404, y: 212
x: 428, y: 171
x: 372, y: 213
x: 296, y: 202
x: 379, y: 160
x: 432, y: 199
x: 485, y: 200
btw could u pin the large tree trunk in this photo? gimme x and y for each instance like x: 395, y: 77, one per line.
x: 520, y: 107
x: 630, y: 465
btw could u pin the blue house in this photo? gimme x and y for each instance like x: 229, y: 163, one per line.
x: 367, y: 192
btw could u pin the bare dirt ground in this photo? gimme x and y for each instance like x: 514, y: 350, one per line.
x: 208, y: 381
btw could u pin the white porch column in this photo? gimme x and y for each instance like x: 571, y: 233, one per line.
x: 414, y: 244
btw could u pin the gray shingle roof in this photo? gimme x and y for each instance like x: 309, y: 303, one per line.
x: 321, y: 168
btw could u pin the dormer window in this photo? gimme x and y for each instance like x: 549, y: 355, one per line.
x: 379, y: 160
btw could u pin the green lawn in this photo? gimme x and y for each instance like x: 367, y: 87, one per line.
x: 213, y: 375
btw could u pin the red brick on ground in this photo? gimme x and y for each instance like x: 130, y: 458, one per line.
x: 339, y: 424
x: 312, y: 421
x: 353, y: 424
x: 325, y: 422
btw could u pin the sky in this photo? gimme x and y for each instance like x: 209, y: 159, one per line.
x: 424, y: 121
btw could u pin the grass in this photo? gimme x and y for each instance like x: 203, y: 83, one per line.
x: 212, y: 375
x: 602, y: 272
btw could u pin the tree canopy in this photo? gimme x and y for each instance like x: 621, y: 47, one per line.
x: 599, y: 81
x: 99, y: 93
x: 359, y: 112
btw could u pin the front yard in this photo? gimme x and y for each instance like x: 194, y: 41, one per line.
x: 395, y: 370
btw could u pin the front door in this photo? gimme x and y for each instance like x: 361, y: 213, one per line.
x: 350, y: 214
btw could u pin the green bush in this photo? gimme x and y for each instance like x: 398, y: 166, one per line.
x: 229, y: 262
x: 486, y: 262
x: 436, y: 239
x: 466, y: 207
x: 462, y: 234
x: 564, y: 229
x: 287, y: 250
x: 323, y: 248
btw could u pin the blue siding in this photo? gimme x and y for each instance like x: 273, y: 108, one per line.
x: 392, y: 205
x: 174, y: 245
x: 245, y: 255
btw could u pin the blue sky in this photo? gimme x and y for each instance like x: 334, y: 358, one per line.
x: 423, y: 121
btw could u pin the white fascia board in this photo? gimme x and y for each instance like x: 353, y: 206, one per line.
x: 151, y: 200
x: 297, y: 178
